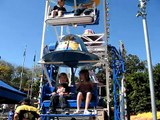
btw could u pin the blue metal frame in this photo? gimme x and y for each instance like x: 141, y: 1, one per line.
x: 118, y: 71
x: 48, y: 116
x: 45, y: 101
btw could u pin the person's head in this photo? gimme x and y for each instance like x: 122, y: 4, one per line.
x: 61, y: 3
x: 63, y: 78
x: 84, y: 75
x: 26, y: 101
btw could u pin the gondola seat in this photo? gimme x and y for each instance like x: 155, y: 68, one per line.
x: 72, y: 102
x: 90, y: 17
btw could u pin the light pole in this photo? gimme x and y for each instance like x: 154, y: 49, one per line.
x: 143, y: 14
x: 33, y: 72
x: 24, y: 57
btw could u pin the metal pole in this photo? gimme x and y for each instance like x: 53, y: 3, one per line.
x: 44, y: 28
x: 150, y: 69
x: 40, y: 91
x: 33, y: 71
x: 24, y: 57
x: 106, y: 57
x: 142, y: 13
x: 75, y: 4
x: 42, y: 47
x: 122, y: 99
x: 61, y: 32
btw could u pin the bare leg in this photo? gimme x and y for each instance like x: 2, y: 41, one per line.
x: 53, y: 13
x: 79, y: 100
x: 88, y: 99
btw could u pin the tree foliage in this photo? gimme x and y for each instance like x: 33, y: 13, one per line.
x: 6, y: 71
x: 134, y: 64
x: 138, y: 90
x: 156, y: 75
x: 13, y: 75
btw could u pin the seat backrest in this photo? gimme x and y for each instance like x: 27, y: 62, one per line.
x: 94, y: 100
x: 46, y: 92
x: 95, y: 92
x: 72, y: 90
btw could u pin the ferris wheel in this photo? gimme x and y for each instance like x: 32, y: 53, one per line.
x: 81, y: 50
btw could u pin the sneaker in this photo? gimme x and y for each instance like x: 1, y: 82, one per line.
x: 51, y: 111
x: 76, y: 112
x: 86, y: 112
x: 65, y: 111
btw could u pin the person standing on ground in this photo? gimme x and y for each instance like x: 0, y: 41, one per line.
x: 4, y: 108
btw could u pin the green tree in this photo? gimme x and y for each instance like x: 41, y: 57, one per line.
x: 156, y: 76
x: 134, y: 64
x: 138, y: 92
x: 25, y: 76
x: 12, y: 75
x: 6, y: 71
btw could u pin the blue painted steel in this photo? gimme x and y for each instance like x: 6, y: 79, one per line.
x: 70, y: 115
x: 72, y: 102
x: 53, y: 116
x: 118, y: 70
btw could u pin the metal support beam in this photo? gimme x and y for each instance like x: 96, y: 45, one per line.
x: 24, y: 58
x: 44, y: 28
x: 106, y: 58
x: 143, y: 14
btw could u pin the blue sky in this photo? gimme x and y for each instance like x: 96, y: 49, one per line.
x: 21, y: 24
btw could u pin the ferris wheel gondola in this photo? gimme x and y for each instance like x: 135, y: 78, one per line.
x: 84, y: 13
x: 72, y: 2
x: 72, y: 52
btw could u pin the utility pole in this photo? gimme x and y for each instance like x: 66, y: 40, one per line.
x: 143, y: 14
x: 33, y: 75
x: 24, y: 57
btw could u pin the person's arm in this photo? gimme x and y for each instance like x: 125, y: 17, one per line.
x: 54, y: 91
x: 38, y: 117
x: 64, y: 9
x: 55, y: 7
x: 15, y: 116
x: 78, y: 86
